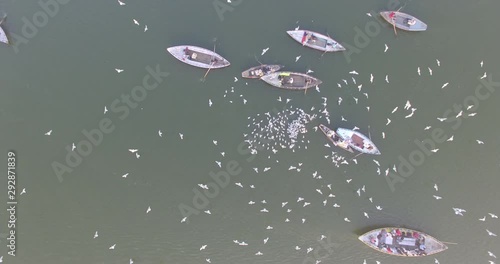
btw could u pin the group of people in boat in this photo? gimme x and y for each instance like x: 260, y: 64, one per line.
x: 193, y: 55
x: 289, y: 80
x: 409, y: 21
x: 395, y: 241
x: 261, y: 72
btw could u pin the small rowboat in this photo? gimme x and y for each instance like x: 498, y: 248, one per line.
x: 259, y: 71
x: 358, y: 141
x: 402, y: 242
x: 404, y: 21
x: 335, y: 139
x: 198, y: 57
x: 315, y: 40
x: 291, y: 80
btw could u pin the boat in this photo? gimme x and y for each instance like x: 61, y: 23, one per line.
x: 402, y: 242
x: 291, y: 80
x: 315, y: 40
x: 3, y: 36
x: 259, y: 71
x: 358, y: 141
x: 334, y: 138
x: 198, y: 57
x: 404, y: 21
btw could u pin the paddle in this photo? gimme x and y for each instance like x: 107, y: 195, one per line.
x: 1, y: 21
x: 449, y: 243
x: 257, y: 59
x: 210, y: 67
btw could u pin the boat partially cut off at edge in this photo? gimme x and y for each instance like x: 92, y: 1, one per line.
x: 198, y: 57
x: 291, y: 80
x: 402, y: 242
x: 404, y: 21
x: 334, y: 138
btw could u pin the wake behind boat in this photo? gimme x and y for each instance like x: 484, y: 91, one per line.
x: 315, y: 40
x: 334, y: 138
x: 291, y: 80
x: 402, y: 242
x: 259, y: 71
x: 404, y: 21
x: 198, y: 57
x: 358, y: 141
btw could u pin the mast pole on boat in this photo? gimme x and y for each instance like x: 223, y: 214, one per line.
x: 210, y: 67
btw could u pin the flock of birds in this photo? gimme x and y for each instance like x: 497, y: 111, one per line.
x: 287, y: 128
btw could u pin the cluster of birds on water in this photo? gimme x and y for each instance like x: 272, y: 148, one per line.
x: 286, y: 129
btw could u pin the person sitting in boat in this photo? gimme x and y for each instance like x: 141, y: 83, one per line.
x: 411, y: 22
x: 392, y: 15
x: 313, y: 38
x: 291, y: 80
x: 186, y: 51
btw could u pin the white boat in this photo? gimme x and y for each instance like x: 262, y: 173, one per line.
x: 358, y: 141
x: 198, y: 57
x: 315, y: 40
x: 3, y: 36
x: 404, y: 21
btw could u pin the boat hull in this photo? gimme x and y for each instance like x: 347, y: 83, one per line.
x: 291, y: 80
x: 259, y: 71
x: 358, y: 141
x: 318, y: 42
x: 402, y: 242
x: 335, y: 139
x: 198, y: 57
x: 3, y: 36
x: 401, y: 20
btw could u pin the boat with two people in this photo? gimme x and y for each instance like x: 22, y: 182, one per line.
x: 198, y: 57
x: 334, y: 138
x: 291, y: 80
x: 403, y: 21
x: 315, y: 40
x: 259, y: 71
x: 358, y: 141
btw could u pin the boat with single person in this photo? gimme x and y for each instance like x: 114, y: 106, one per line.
x: 334, y: 138
x: 259, y: 71
x: 315, y: 40
x: 358, y: 141
x: 291, y: 80
x: 198, y: 57
x: 403, y: 21
x: 402, y: 242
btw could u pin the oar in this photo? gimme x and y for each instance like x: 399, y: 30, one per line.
x: 452, y: 243
x: 210, y: 67
x: 394, y: 20
x: 369, y: 132
x: 257, y: 59
x: 1, y: 21
x: 361, y: 153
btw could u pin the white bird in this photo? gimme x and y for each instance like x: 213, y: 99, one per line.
x: 203, y: 247
x: 394, y: 110
x: 366, y: 215
x: 436, y: 261
x: 407, y: 105
x: 219, y: 164
x: 378, y: 207
x: 148, y: 210
x: 135, y: 22
x: 125, y: 175
x: 354, y: 72
x: 309, y: 71
x: 436, y: 187
x: 434, y: 150
x: 492, y: 215
x: 459, y: 211
x: 235, y: 79
x: 482, y: 219
x: 239, y: 184
x: 137, y: 155
x: 450, y: 139
x: 145, y: 28
x: 48, y: 133
x: 438, y: 62
x: 73, y: 147
x: 264, y: 51
x: 430, y: 70
x: 265, y: 240
x: 118, y: 70
x: 484, y: 76
x: 209, y: 103
x: 132, y: 150
x: 183, y: 219
x: 441, y: 119
x: 223, y: 154
x: 336, y: 205
x: 490, y: 233
x: 251, y: 202
x: 258, y: 253
x: 371, y: 78
x: 348, y: 180
x: 491, y: 255
x: 481, y: 63
x: 444, y: 85
x: 472, y: 114
x: 96, y: 234
x: 113, y: 246
x: 387, y: 78
x: 388, y: 121
x: 368, y: 14
x: 121, y: 3
x: 160, y: 133
x: 297, y: 58
x: 459, y: 114
x: 427, y: 128
x: 181, y: 136
x: 386, y: 48
x: 418, y: 71
x: 23, y: 191
x: 306, y: 204
x: 469, y: 107
x: 347, y: 220
x: 215, y: 142
x: 105, y: 109
x: 437, y: 197
x: 203, y: 186
x: 359, y: 192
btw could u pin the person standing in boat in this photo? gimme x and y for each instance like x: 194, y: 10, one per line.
x: 392, y: 16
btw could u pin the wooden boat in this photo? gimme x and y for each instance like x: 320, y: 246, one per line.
x: 291, y: 80
x: 335, y: 139
x: 358, y: 141
x: 259, y: 71
x: 402, y: 242
x: 198, y: 57
x: 404, y: 21
x: 3, y: 36
x: 315, y: 40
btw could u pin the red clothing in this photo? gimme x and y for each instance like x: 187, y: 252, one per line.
x: 391, y: 15
x: 398, y: 232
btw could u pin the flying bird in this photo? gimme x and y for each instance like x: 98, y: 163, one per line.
x: 444, y: 85
x: 48, y: 133
x: 96, y: 234
x: 135, y: 22
x: 121, y: 3
x: 119, y: 70
x: 105, y: 109
x: 264, y: 51
x: 386, y: 48
x: 145, y: 28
